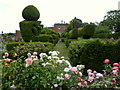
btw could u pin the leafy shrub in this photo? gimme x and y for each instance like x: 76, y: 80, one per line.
x: 41, y: 74
x: 44, y: 38
x: 50, y: 72
x: 103, y: 35
x: 88, y: 31
x: 107, y: 35
x: 93, y: 52
x: 21, y: 48
x: 30, y: 13
x: 10, y: 46
x: 34, y: 47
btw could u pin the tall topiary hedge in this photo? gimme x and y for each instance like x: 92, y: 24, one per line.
x: 30, y: 27
x: 92, y: 53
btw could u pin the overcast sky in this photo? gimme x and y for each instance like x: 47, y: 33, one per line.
x: 53, y: 11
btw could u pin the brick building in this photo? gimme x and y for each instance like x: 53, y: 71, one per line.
x: 59, y: 27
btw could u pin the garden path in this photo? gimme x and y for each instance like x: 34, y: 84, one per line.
x: 60, y: 46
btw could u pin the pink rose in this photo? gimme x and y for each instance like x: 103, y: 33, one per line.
x: 23, y: 70
x: 90, y: 79
x: 89, y: 70
x: 105, y: 73
x: 29, y: 54
x: 74, y: 69
x: 94, y: 72
x: 107, y: 61
x: 35, y: 53
x: 55, y: 85
x: 29, y: 61
x: 91, y: 74
x: 115, y: 64
x: 6, y: 64
x: 115, y: 68
x: 79, y: 84
x: 99, y: 75
x: 7, y: 60
x: 115, y: 72
x: 85, y: 82
x: 113, y: 80
x: 67, y: 76
x: 6, y: 54
x: 78, y: 77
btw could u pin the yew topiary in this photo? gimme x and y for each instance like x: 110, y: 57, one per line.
x: 30, y: 13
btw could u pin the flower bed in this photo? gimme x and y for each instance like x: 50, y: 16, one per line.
x: 53, y: 72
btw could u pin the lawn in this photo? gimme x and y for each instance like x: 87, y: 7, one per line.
x: 60, y: 46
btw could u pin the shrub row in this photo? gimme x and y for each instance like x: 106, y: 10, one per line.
x: 22, y: 48
x: 107, y: 35
x: 92, y: 53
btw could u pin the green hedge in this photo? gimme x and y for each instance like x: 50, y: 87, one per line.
x: 10, y: 46
x: 44, y: 38
x: 23, y: 49
x: 92, y: 53
x: 107, y: 35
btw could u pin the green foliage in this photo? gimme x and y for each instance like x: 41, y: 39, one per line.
x: 44, y: 38
x: 74, y: 33
x: 29, y: 29
x: 107, y: 35
x: 75, y: 23
x: 112, y: 20
x: 33, y: 77
x: 102, y: 29
x: 10, y: 46
x: 51, y: 36
x: 34, y: 47
x: 30, y: 13
x: 22, y: 48
x: 92, y: 53
x: 88, y: 31
x: 80, y: 32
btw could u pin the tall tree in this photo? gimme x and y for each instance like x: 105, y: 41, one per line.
x: 112, y: 19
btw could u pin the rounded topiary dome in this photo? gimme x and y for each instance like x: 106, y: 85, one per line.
x: 30, y: 13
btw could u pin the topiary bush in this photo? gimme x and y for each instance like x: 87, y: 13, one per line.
x: 44, y: 38
x: 30, y: 13
x: 91, y: 53
x: 51, y: 35
x: 29, y: 29
x: 88, y: 31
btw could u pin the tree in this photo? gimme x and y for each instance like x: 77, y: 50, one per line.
x: 74, y: 23
x: 112, y: 20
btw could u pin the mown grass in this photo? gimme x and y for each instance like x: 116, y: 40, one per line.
x: 60, y: 46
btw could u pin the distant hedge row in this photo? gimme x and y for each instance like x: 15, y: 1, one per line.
x: 92, y: 53
x: 107, y: 35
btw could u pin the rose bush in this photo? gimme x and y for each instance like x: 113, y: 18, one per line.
x: 53, y: 72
